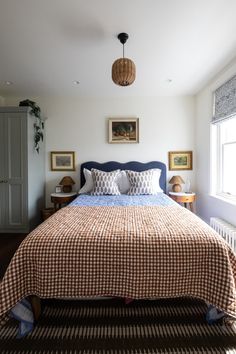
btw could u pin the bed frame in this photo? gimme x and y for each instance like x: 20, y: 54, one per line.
x: 132, y: 165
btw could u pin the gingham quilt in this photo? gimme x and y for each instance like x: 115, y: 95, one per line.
x: 129, y: 251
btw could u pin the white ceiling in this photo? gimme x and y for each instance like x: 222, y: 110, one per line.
x: 47, y: 44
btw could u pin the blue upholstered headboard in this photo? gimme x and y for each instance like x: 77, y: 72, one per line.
x: 132, y: 165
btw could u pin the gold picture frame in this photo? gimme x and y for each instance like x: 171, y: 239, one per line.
x: 62, y: 161
x: 180, y: 160
x: 123, y: 130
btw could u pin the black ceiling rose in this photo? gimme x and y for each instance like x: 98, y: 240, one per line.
x: 123, y: 37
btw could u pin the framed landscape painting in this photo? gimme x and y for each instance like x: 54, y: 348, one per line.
x: 180, y: 160
x: 123, y: 130
x: 62, y: 161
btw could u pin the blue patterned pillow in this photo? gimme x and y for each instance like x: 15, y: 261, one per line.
x: 105, y: 183
x: 145, y: 182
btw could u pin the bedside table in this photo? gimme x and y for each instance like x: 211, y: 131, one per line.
x: 58, y: 199
x: 185, y: 198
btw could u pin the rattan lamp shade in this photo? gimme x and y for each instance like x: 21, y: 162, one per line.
x: 67, y: 183
x: 123, y: 69
x: 123, y: 72
x: 176, y: 181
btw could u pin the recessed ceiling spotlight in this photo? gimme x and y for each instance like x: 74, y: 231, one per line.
x: 8, y: 82
x: 76, y: 82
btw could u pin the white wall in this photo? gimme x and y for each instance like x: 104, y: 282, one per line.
x: 80, y: 125
x: 207, y: 205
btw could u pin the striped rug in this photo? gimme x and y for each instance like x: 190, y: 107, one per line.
x: 111, y: 327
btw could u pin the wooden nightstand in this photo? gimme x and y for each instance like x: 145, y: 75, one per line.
x: 58, y: 199
x: 185, y: 198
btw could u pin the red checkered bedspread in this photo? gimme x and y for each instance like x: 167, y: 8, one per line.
x: 134, y: 251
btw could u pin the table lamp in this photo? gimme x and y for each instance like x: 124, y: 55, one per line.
x: 66, y: 184
x: 176, y: 181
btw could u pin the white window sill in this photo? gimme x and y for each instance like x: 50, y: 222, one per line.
x: 229, y: 200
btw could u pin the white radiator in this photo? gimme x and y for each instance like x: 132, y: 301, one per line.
x: 226, y: 230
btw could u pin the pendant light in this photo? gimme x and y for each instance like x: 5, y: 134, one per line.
x: 123, y: 69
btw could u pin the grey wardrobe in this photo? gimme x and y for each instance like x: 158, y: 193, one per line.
x: 22, y: 172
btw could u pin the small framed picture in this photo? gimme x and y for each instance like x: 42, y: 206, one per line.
x: 180, y: 160
x: 123, y: 130
x: 58, y: 189
x: 62, y: 161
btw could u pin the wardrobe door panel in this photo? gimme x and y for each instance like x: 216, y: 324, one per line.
x: 3, y: 172
x: 15, y: 148
x: 16, y: 214
x: 17, y: 170
x: 3, y: 147
x: 3, y: 205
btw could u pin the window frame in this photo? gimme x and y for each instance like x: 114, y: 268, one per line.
x: 217, y: 162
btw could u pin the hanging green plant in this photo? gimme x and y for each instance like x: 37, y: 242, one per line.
x: 38, y: 125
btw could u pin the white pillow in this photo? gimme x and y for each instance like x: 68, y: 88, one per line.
x: 88, y: 186
x: 123, y: 182
x: 156, y: 180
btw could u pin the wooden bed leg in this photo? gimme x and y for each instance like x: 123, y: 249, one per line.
x: 36, y: 306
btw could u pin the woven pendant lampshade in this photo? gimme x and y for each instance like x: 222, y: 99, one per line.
x: 123, y: 69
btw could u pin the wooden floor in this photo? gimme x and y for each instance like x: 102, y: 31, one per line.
x: 8, y: 246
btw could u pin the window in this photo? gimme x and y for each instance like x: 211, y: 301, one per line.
x: 223, y: 149
x: 224, y: 158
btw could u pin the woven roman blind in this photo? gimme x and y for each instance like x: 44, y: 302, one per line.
x: 225, y: 101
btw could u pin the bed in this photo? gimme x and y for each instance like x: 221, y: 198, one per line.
x: 138, y: 247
